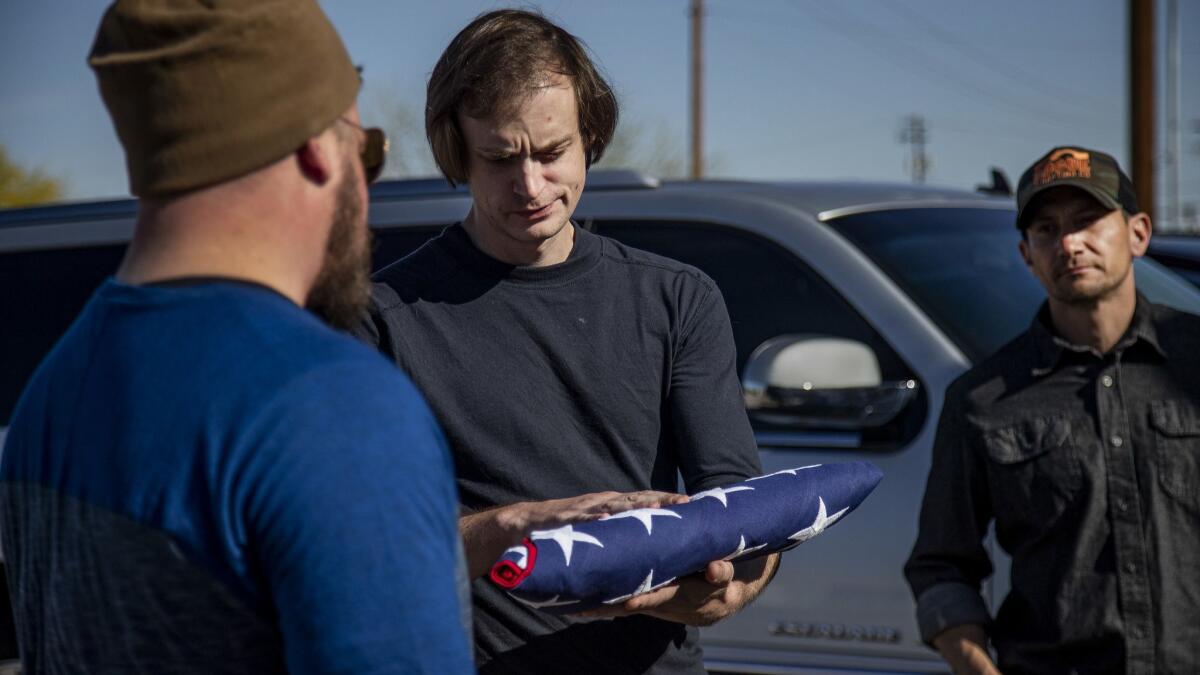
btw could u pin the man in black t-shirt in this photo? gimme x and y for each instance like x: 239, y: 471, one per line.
x: 574, y: 376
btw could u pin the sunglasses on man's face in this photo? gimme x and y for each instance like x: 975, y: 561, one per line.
x: 373, y: 152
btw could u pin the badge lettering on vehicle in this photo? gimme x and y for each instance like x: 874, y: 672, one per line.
x: 834, y: 631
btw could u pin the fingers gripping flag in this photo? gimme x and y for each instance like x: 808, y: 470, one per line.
x: 585, y: 565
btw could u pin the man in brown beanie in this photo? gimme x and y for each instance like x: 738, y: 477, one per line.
x: 202, y: 477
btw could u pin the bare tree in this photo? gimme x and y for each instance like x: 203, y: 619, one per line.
x: 656, y: 151
x: 404, y: 124
x: 634, y: 147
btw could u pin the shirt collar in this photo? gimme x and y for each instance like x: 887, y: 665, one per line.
x: 1050, y: 346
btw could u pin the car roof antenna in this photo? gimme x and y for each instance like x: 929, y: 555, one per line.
x: 1000, y: 185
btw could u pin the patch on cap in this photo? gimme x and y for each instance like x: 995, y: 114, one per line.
x: 1061, y: 164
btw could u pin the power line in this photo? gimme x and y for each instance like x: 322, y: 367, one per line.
x: 746, y: 15
x: 1010, y: 71
x: 930, y: 66
x: 982, y: 133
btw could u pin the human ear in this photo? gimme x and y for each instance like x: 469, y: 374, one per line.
x: 315, y: 159
x: 1023, y: 247
x: 1140, y: 229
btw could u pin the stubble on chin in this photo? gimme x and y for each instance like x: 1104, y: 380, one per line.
x: 508, y: 230
x: 1086, y: 295
x: 340, y: 294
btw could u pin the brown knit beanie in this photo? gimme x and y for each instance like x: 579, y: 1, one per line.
x: 203, y: 91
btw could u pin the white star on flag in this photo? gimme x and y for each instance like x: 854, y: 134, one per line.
x: 566, y: 536
x: 787, y: 471
x: 646, y: 586
x: 819, y: 523
x: 742, y: 550
x: 644, y: 516
x: 719, y: 494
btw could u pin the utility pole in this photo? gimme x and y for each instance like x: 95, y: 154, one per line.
x: 1191, y: 224
x: 696, y: 16
x: 1141, y: 102
x: 1174, y: 154
x: 913, y: 134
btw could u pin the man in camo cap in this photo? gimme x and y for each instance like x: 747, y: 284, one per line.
x: 1080, y: 441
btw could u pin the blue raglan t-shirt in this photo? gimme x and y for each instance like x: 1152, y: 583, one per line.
x: 204, y: 478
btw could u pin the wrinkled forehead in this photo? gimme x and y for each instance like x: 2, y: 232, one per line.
x: 551, y: 103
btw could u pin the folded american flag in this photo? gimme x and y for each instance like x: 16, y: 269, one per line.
x: 585, y: 565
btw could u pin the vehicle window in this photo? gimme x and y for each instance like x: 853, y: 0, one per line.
x: 1192, y: 276
x: 1166, y: 286
x: 768, y: 292
x: 43, y: 292
x: 962, y: 267
x: 1178, y: 253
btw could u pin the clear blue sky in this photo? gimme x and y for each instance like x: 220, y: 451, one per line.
x: 795, y: 88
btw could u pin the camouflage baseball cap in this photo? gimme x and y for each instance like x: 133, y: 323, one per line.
x: 1094, y: 172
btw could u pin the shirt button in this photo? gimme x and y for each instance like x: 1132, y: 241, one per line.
x: 1122, y: 505
x: 1130, y: 567
x: 1117, y: 441
x: 1106, y: 381
x: 1139, y: 634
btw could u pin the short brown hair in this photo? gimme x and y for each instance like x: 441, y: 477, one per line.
x: 493, y: 65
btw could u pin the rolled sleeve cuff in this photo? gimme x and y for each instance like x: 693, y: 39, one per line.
x: 947, y: 605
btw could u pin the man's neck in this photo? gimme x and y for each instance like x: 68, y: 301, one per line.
x: 543, y: 253
x: 1098, y: 324
x: 190, y: 238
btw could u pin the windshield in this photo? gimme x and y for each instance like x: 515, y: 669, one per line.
x: 962, y: 267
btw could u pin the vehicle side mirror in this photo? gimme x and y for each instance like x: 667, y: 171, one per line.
x: 821, y: 382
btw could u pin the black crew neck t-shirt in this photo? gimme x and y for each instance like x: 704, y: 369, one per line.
x: 613, y: 370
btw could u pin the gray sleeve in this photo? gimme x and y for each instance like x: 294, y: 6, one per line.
x: 708, y: 414
x: 947, y: 605
x: 949, y: 561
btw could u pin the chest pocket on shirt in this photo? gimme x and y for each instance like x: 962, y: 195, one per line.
x: 1034, y: 471
x: 1177, y: 444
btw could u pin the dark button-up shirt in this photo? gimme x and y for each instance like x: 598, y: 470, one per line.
x: 1089, y: 465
